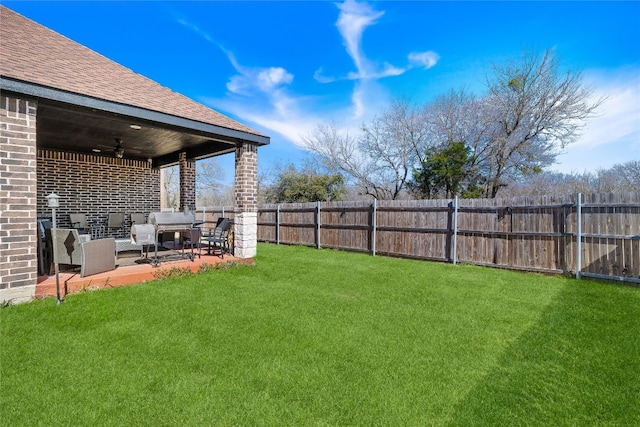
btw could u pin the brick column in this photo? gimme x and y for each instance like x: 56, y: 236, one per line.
x: 245, y: 232
x: 18, y: 200
x: 187, y: 183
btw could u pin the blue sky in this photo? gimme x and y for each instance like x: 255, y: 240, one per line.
x: 284, y: 67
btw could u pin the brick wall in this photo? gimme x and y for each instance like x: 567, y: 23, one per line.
x: 96, y: 185
x: 187, y: 183
x: 245, y: 230
x: 246, y: 182
x: 18, y: 245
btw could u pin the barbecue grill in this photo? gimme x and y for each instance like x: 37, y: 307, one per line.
x: 163, y: 222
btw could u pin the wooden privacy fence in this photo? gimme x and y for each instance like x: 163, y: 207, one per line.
x: 594, y: 235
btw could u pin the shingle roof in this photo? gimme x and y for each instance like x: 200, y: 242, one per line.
x: 35, y: 54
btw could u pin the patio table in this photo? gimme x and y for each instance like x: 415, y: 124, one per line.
x: 125, y: 244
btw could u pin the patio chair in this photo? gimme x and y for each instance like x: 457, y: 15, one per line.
x: 93, y: 256
x: 192, y: 240
x: 137, y: 218
x: 45, y: 248
x: 116, y: 221
x: 79, y: 222
x: 218, y: 237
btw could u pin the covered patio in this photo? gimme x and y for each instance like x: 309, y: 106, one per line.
x: 97, y: 134
x: 127, y: 272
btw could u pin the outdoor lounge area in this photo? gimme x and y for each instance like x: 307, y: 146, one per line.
x: 76, y: 125
x: 169, y: 241
x: 128, y: 270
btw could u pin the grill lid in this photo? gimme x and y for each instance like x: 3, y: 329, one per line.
x: 172, y: 218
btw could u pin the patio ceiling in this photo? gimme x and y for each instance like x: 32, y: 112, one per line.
x: 85, y: 130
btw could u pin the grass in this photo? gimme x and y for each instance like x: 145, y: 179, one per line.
x: 308, y: 337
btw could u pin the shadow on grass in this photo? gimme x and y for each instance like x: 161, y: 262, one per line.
x: 579, y: 365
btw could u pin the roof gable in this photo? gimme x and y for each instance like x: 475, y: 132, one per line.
x: 35, y: 54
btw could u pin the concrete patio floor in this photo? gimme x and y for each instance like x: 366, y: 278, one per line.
x: 129, y: 271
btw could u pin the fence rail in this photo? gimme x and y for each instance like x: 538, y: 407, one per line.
x: 596, y: 235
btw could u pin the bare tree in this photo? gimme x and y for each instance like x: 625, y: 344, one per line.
x: 531, y: 112
x: 620, y: 178
x: 535, y: 111
x: 458, y: 116
x: 171, y: 187
x: 628, y: 175
x: 209, y: 182
x: 382, y: 157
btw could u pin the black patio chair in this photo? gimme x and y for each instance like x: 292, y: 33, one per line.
x: 218, y: 238
x: 45, y: 246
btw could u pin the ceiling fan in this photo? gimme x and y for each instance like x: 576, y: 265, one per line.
x: 118, y: 151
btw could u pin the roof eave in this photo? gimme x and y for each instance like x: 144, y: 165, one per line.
x: 53, y: 94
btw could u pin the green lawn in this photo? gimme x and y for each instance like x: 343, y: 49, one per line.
x: 319, y: 337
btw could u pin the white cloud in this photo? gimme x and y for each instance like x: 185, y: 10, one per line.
x: 614, y: 135
x: 352, y: 21
x: 358, y: 100
x: 265, y: 80
x: 320, y: 78
x: 423, y: 59
x: 264, y: 95
x: 270, y: 78
x: 196, y: 29
x: 354, y: 18
x: 619, y: 115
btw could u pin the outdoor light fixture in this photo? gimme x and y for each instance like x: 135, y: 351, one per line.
x: 136, y: 127
x: 53, y: 201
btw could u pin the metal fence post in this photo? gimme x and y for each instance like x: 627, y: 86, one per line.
x: 277, y: 224
x: 455, y: 230
x: 318, y: 224
x: 373, y: 227
x: 578, y: 235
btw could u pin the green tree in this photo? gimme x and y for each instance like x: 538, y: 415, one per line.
x: 293, y: 186
x: 444, y: 172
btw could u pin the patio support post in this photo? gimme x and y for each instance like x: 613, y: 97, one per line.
x: 187, y: 183
x: 18, y: 187
x: 245, y: 231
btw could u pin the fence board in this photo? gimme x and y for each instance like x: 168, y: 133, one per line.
x: 524, y: 233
